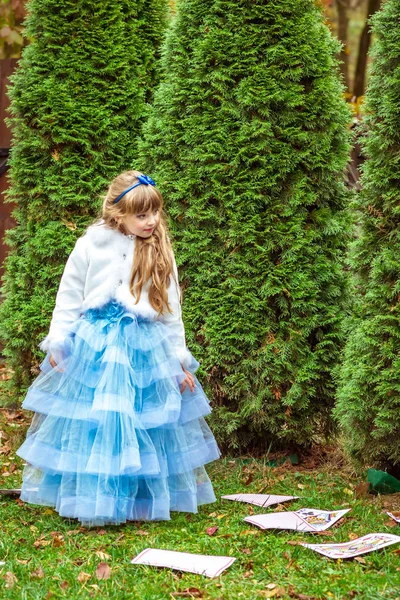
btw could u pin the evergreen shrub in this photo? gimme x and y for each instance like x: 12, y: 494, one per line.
x: 248, y: 142
x: 368, y: 405
x: 78, y: 99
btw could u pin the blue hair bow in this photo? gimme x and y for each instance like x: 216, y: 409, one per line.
x: 143, y: 180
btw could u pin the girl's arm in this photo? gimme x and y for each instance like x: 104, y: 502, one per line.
x: 69, y: 298
x: 174, y: 320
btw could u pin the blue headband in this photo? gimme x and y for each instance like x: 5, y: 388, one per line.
x: 143, y: 180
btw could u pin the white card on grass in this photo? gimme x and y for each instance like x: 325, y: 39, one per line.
x: 362, y: 545
x: 202, y: 564
x: 395, y: 517
x: 263, y: 500
x: 305, y: 519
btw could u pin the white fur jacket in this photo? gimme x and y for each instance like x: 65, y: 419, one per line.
x: 99, y: 269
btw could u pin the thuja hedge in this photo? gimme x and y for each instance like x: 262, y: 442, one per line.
x: 248, y: 142
x: 78, y: 100
x: 369, y: 393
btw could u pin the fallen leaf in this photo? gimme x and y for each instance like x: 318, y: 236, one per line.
x: 251, y: 510
x: 248, y: 480
x: 212, y: 530
x: 39, y: 573
x: 248, y: 574
x: 213, y: 514
x: 221, y: 516
x: 64, y: 585
x: 101, y: 532
x: 390, y: 523
x: 83, y: 577
x: 271, y: 586
x: 360, y: 559
x: 353, y: 536
x: 102, y: 555
x: 191, y: 592
x: 11, y: 579
x: 246, y: 551
x: 293, y: 543
x: 103, y: 571
x: 361, y: 490
x: 58, y: 540
x: 301, y: 486
x: 249, y: 532
x: 277, y: 592
x: 141, y: 532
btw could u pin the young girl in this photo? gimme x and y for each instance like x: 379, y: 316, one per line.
x: 118, y: 432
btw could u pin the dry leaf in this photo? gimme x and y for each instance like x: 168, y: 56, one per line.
x: 293, y: 543
x: 248, y: 480
x: 353, y: 536
x: 301, y: 486
x: 251, y: 510
x: 141, y: 532
x: 11, y: 579
x: 41, y: 542
x: 271, y: 586
x: 249, y: 532
x: 101, y: 532
x: 39, y: 573
x: 83, y: 577
x: 277, y: 592
x: 191, y: 592
x: 221, y: 516
x: 246, y: 551
x: 360, y: 559
x: 102, y: 555
x: 390, y: 523
x: 23, y: 561
x: 103, y: 571
x: 361, y: 490
x: 212, y: 530
x: 64, y: 585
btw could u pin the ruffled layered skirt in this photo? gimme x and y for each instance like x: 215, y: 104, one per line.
x: 112, y: 438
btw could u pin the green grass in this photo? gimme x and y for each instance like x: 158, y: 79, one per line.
x: 65, y: 550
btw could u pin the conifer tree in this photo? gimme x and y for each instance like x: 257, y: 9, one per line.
x: 248, y: 142
x: 368, y: 404
x: 78, y: 100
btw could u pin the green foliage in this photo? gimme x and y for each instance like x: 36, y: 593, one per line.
x: 248, y: 142
x: 78, y: 100
x: 369, y: 394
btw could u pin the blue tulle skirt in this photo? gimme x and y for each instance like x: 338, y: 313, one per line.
x: 112, y: 438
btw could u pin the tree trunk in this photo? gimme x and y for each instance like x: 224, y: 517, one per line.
x: 343, y: 27
x: 365, y: 41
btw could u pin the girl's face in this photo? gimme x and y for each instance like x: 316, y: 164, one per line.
x: 142, y: 224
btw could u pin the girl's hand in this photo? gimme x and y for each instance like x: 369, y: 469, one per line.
x: 189, y: 380
x: 54, y: 364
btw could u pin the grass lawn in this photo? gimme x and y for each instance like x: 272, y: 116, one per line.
x: 49, y: 557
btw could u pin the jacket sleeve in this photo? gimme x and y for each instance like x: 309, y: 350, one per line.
x: 174, y: 320
x: 69, y: 298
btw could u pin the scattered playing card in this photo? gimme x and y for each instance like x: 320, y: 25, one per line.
x: 362, y: 545
x: 202, y: 564
x: 305, y: 519
x: 263, y: 500
x: 395, y: 516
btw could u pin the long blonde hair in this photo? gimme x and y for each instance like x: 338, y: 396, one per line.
x: 153, y: 255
